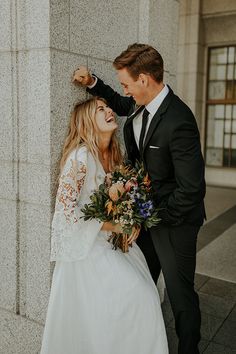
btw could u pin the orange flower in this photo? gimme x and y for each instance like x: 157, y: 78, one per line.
x: 109, y: 207
x: 146, y: 180
x: 130, y: 183
x: 116, y: 191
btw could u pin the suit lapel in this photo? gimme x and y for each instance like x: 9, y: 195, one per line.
x: 134, y: 114
x: 128, y: 127
x: 158, y: 116
x: 154, y: 123
x: 130, y: 143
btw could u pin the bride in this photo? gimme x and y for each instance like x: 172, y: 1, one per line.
x: 102, y: 301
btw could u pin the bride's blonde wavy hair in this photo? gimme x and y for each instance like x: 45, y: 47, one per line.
x: 83, y: 131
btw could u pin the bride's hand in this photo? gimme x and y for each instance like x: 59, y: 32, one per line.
x: 109, y: 226
x: 82, y: 77
x: 134, y: 234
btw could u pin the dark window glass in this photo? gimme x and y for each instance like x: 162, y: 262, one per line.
x: 221, y: 107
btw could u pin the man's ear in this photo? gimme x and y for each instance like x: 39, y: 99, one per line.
x: 144, y: 79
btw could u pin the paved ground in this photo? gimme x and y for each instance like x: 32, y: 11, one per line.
x: 215, y: 267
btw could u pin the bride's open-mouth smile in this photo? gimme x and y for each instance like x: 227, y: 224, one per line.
x: 110, y: 119
x: 105, y: 117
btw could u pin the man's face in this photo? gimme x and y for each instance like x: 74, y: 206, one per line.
x: 131, y: 87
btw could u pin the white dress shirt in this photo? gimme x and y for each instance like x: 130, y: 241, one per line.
x: 152, y: 107
x: 95, y: 82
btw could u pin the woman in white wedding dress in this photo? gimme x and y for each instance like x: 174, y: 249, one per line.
x: 102, y: 301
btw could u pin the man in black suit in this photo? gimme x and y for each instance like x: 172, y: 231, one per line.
x: 162, y: 132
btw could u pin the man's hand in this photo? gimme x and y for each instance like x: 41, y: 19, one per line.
x: 82, y: 77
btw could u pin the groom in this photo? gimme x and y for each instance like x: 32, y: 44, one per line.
x: 162, y: 132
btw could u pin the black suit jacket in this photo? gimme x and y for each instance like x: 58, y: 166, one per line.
x: 171, y: 154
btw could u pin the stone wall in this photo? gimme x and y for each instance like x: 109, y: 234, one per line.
x: 41, y: 43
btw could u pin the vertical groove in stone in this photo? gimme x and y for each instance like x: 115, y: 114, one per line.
x: 69, y: 25
x: 143, y: 22
x: 15, y: 139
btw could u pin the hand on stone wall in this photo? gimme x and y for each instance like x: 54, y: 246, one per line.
x: 82, y: 76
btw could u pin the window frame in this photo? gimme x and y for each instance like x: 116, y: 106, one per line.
x: 225, y: 101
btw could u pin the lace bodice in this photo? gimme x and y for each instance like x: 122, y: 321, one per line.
x: 72, y: 237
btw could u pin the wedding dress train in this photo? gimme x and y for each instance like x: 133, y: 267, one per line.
x: 102, y: 301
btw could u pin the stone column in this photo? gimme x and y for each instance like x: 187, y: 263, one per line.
x: 25, y: 158
x: 42, y: 43
x: 190, y: 77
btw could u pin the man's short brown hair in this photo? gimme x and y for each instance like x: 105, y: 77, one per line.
x: 141, y: 58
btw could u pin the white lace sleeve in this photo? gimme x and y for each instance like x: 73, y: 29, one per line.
x: 72, y: 237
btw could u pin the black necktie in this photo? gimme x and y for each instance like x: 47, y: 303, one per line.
x: 143, y: 129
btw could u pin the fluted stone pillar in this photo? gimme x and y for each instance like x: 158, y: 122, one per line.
x: 191, y: 71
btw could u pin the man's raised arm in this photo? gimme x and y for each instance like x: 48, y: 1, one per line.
x: 122, y: 105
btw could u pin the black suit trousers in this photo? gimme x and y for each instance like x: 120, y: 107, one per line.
x: 172, y: 249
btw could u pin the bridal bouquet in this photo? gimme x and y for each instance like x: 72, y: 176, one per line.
x: 125, y: 198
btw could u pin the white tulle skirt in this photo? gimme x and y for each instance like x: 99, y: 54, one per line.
x: 104, y: 304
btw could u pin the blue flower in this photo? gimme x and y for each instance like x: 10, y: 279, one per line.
x: 145, y: 208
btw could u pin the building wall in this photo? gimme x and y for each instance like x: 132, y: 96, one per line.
x: 190, y: 71
x: 203, y: 24
x: 42, y: 43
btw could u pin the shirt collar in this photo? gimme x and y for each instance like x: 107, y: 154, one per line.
x: 153, y: 106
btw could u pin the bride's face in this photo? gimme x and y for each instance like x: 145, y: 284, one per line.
x: 105, y: 118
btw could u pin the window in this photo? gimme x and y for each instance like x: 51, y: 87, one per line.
x: 221, y: 107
